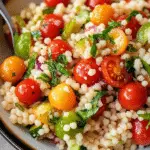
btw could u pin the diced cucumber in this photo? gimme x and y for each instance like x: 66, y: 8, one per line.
x: 84, y: 14
x: 144, y: 31
x: 80, y: 46
x: 20, y: 22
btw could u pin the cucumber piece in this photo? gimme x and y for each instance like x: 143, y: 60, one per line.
x: 142, y: 34
x: 20, y: 22
x: 75, y: 147
x: 65, y: 120
x: 84, y: 14
x: 80, y: 46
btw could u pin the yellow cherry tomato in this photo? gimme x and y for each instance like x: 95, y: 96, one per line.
x: 12, y: 69
x: 121, y: 41
x: 62, y: 97
x: 102, y: 14
x: 41, y: 111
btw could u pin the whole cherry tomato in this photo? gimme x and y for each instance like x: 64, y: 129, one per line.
x: 87, y: 72
x: 93, y: 3
x: 12, y: 69
x: 51, y: 26
x: 141, y: 132
x: 28, y: 91
x: 53, y: 3
x: 58, y: 47
x: 132, y: 96
x: 113, y: 73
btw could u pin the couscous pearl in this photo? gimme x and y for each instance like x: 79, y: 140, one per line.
x: 144, y: 83
x: 73, y: 125
x: 66, y: 127
x: 66, y: 137
x: 41, y: 132
x: 37, y: 123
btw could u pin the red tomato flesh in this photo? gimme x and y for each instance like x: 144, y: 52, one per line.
x: 28, y: 91
x: 51, y: 26
x: 114, y: 74
x: 132, y: 96
x: 58, y: 47
x: 140, y: 132
x: 53, y: 3
x: 81, y: 70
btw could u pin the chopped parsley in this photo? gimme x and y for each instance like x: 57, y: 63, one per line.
x: 20, y: 107
x: 146, y: 66
x: 36, y: 34
x: 61, y: 68
x: 13, y: 74
x: 129, y: 64
x: 131, y: 48
x: 132, y: 14
x: 34, y: 131
x: 44, y: 77
x: 145, y: 116
x: 62, y: 59
x: 48, y: 10
x: 54, y: 120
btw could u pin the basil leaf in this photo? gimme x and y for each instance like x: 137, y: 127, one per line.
x: 131, y: 48
x: 20, y: 21
x: 62, y: 59
x: 34, y: 131
x: 54, y: 120
x: 129, y: 64
x: 145, y: 116
x: 132, y: 14
x: 85, y: 113
x: 22, y: 44
x: 36, y: 34
x: 44, y: 77
x: 146, y: 66
x: 31, y: 64
x: 49, y: 10
x: 20, y: 107
x: 60, y: 68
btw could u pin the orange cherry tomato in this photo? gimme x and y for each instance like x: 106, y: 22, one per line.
x: 12, y: 69
x: 102, y: 14
x: 62, y: 97
x: 120, y: 39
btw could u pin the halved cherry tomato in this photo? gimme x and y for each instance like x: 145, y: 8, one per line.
x: 93, y: 3
x: 62, y: 97
x: 133, y: 24
x: 132, y: 96
x: 102, y: 14
x: 113, y: 73
x: 58, y: 47
x: 53, y: 3
x: 51, y: 26
x: 87, y: 72
x: 120, y: 39
x: 141, y: 132
x: 28, y: 91
x: 12, y: 69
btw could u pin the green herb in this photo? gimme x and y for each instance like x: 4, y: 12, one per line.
x: 61, y: 68
x: 148, y: 125
x: 146, y: 66
x: 34, y: 131
x: 62, y: 59
x: 83, y: 148
x: 20, y: 21
x: 93, y: 49
x: 49, y: 10
x: 13, y: 74
x: 44, y: 77
x: 131, y: 48
x: 54, y: 120
x: 81, y: 123
x: 120, y: 142
x: 86, y: 114
x: 20, y: 107
x: 129, y: 64
x: 77, y: 93
x: 31, y: 64
x: 145, y: 116
x: 132, y: 14
x: 36, y: 34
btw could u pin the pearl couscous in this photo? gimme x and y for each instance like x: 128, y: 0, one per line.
x: 80, y: 75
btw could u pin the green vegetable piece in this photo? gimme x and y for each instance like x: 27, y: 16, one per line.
x: 36, y: 34
x: 145, y: 116
x: 20, y: 107
x: 84, y: 14
x: 20, y: 21
x: 93, y: 50
x: 61, y: 68
x: 86, y: 114
x: 75, y: 147
x: 132, y: 14
x: 54, y: 120
x: 142, y: 34
x: 72, y: 117
x: 48, y: 10
x: 44, y: 77
x: 83, y: 148
x: 34, y: 131
x: 131, y: 48
x: 31, y: 64
x: 146, y: 66
x: 22, y: 45
x: 129, y: 64
x: 62, y: 59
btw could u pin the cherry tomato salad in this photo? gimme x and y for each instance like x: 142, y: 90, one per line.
x: 80, y: 74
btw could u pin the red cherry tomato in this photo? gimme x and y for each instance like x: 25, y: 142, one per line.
x: 86, y: 71
x: 58, y: 47
x: 93, y: 3
x: 133, y: 24
x: 53, y: 3
x: 101, y: 109
x: 28, y: 91
x: 140, y: 132
x: 132, y: 96
x: 113, y: 73
x: 51, y: 26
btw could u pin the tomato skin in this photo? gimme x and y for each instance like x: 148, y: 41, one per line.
x: 53, y: 3
x: 28, y: 91
x: 132, y: 96
x: 12, y: 69
x: 140, y: 132
x: 93, y: 3
x: 51, y: 26
x: 62, y: 97
x: 81, y: 70
x: 112, y: 73
x: 58, y: 47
